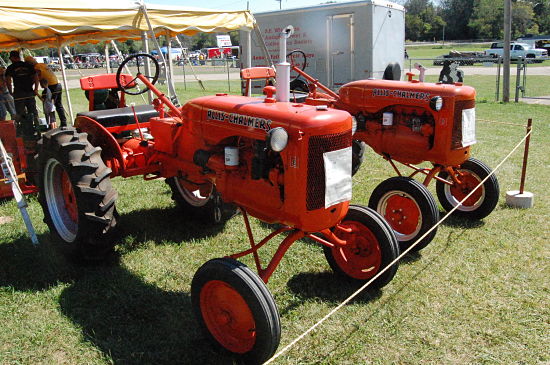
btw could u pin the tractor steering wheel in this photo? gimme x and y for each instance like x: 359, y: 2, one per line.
x: 298, y: 59
x: 126, y: 85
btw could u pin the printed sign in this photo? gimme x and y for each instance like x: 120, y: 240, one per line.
x: 223, y: 40
x: 337, y: 176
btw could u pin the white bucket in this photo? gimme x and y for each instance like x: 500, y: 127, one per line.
x: 231, y: 156
x: 387, y: 118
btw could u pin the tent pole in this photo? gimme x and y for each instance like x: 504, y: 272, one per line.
x: 170, y: 69
x: 107, y: 60
x: 191, y: 66
x: 72, y: 59
x: 145, y: 42
x: 65, y: 84
x: 161, y: 56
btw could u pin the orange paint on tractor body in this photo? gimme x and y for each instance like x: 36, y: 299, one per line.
x: 189, y: 142
x: 417, y: 132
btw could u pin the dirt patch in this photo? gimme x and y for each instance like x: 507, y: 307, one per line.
x: 4, y: 220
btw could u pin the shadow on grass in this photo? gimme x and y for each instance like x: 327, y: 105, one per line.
x: 161, y: 225
x: 133, y: 322
x: 27, y: 267
x: 460, y: 222
x: 388, y: 299
x: 327, y: 286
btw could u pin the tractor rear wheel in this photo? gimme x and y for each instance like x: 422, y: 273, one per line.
x: 481, y: 203
x: 371, y: 246
x: 76, y: 194
x: 236, y: 310
x: 200, y: 201
x: 357, y: 155
x: 409, y: 208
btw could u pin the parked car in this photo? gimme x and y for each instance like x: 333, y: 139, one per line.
x: 517, y: 50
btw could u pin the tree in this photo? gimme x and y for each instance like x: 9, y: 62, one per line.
x: 422, y: 21
x: 487, y: 19
x: 457, y: 14
x: 523, y: 19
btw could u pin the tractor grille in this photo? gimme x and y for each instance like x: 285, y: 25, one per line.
x: 456, y: 139
x: 315, y: 195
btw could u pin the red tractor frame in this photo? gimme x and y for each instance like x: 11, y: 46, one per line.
x: 279, y: 161
x: 409, y: 122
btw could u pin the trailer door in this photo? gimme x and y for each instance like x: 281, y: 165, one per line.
x: 340, y: 49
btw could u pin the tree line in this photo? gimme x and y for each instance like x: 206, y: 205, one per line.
x: 426, y: 20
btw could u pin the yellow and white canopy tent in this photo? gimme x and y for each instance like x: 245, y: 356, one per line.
x: 56, y: 23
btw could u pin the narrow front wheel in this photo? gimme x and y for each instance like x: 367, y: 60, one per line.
x: 370, y: 247
x: 235, y: 310
x: 409, y: 208
x: 470, y: 174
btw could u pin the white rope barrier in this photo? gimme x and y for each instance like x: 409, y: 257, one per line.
x: 358, y: 291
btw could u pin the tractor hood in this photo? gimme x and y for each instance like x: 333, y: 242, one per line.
x: 371, y: 95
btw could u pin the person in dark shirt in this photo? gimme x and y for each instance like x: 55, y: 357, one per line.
x: 24, y: 88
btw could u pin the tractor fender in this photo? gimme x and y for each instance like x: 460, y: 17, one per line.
x: 99, y: 136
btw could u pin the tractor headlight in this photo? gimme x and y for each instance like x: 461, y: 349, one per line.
x: 353, y: 125
x: 436, y: 103
x: 277, y: 139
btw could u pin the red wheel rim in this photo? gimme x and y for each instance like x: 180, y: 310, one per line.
x: 69, y: 197
x: 468, y: 182
x: 361, y: 257
x: 228, y: 317
x: 402, y: 213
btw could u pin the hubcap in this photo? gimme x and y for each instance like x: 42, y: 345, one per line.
x: 61, y: 200
x: 194, y: 194
x: 361, y: 257
x: 402, y: 213
x: 456, y: 192
x: 227, y: 316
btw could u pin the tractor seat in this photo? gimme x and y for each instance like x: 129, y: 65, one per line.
x: 121, y: 116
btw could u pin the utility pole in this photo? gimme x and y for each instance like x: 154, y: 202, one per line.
x: 507, y: 40
x: 280, y: 4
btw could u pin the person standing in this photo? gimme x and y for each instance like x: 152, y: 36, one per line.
x: 24, y: 88
x: 47, y: 104
x: 55, y: 87
x: 6, y: 100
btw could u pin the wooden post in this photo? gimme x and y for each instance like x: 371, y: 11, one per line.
x: 525, y: 156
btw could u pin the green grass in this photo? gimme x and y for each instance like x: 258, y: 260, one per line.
x: 433, y: 51
x: 477, y: 294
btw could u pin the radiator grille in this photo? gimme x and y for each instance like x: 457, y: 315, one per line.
x: 456, y: 139
x: 315, y: 196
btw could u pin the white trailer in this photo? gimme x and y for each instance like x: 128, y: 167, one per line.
x: 343, y: 42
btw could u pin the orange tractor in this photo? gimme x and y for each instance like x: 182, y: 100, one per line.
x: 278, y: 161
x: 409, y: 122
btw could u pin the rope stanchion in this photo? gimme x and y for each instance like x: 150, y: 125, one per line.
x: 362, y: 288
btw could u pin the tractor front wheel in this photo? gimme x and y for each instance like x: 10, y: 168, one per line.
x: 235, y: 310
x: 481, y: 203
x: 409, y: 208
x: 357, y: 155
x: 76, y: 194
x: 200, y: 201
x: 370, y: 247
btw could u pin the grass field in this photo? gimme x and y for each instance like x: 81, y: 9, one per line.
x: 478, y: 294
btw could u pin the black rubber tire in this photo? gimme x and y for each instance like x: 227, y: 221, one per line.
x: 357, y: 155
x: 485, y: 205
x: 385, y: 240
x: 67, y: 153
x: 256, y: 296
x: 212, y: 209
x: 153, y: 79
x: 424, y: 201
x: 392, y: 72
